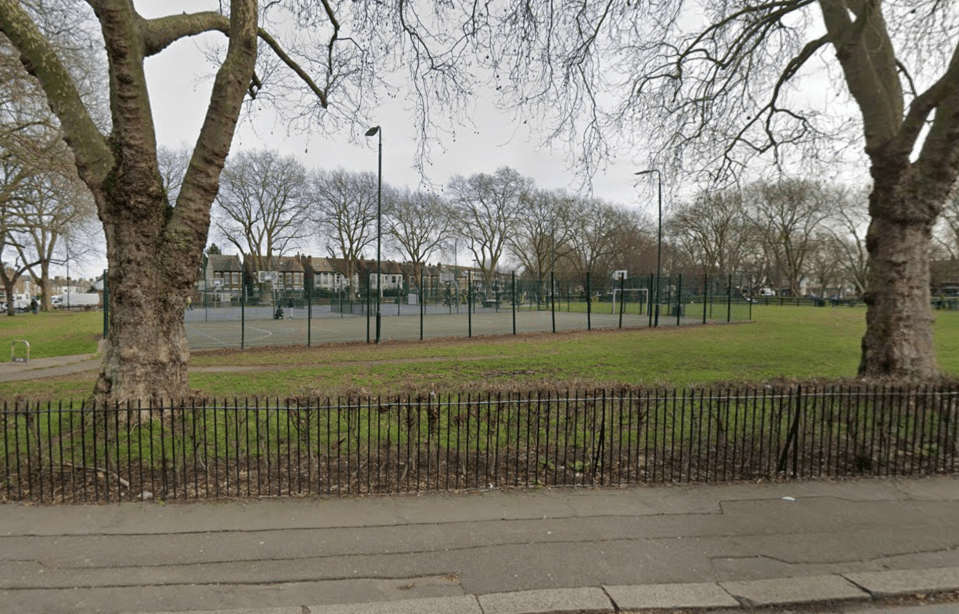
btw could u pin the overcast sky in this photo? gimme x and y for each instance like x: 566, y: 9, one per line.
x: 179, y: 82
x: 179, y: 79
x: 179, y: 89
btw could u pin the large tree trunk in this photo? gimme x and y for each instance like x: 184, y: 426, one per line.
x: 149, y: 278
x: 147, y: 351
x: 8, y: 284
x: 899, y: 335
x: 154, y: 249
x: 46, y: 301
x: 898, y: 341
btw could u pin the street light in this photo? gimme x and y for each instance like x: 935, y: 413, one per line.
x: 659, y: 237
x: 375, y: 130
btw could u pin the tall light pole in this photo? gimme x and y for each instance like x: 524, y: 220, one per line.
x: 659, y: 237
x: 379, y: 220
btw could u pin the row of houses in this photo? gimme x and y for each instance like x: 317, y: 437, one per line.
x: 28, y: 287
x: 224, y: 275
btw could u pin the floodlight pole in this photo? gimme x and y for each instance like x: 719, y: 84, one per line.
x: 659, y: 238
x: 376, y: 130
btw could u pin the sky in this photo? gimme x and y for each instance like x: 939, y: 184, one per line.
x: 179, y: 79
x: 179, y: 87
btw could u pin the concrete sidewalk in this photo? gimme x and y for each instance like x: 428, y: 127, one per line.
x: 47, y: 367
x: 488, y: 553
x: 39, y: 368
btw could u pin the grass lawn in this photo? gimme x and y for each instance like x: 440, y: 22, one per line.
x: 783, y: 343
x: 55, y: 333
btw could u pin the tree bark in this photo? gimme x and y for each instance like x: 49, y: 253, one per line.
x: 153, y: 248
x: 8, y: 283
x: 898, y: 342
x: 903, y: 206
x: 147, y: 352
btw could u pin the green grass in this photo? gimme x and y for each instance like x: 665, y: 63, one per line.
x: 783, y: 343
x: 55, y: 333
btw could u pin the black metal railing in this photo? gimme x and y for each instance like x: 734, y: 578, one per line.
x: 57, y: 453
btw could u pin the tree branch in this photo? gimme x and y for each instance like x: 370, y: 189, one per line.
x: 933, y: 98
x: 93, y: 157
x: 865, y: 52
x: 159, y: 33
x: 939, y: 157
x: 201, y: 181
x: 133, y: 125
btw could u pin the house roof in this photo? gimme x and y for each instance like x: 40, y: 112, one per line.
x: 322, y: 265
x: 224, y: 262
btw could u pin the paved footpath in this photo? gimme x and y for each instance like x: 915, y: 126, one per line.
x: 489, y: 553
x: 47, y: 367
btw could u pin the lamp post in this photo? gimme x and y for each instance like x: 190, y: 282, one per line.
x: 659, y: 237
x: 375, y: 130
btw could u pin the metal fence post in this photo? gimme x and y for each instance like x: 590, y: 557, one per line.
x: 513, y: 300
x: 705, y: 295
x: 552, y: 299
x: 792, y: 439
x: 729, y: 299
x: 679, y: 299
x: 649, y: 298
x: 589, y: 305
x: 622, y: 298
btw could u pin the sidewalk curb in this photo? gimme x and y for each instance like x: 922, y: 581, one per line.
x: 907, y: 581
x: 670, y: 596
x: 550, y: 601
x: 863, y: 587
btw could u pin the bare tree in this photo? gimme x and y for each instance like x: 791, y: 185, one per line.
x: 542, y: 232
x: 154, y: 249
x: 173, y: 163
x: 714, y: 229
x: 486, y: 211
x: 15, y: 180
x: 41, y: 197
x: 12, y: 267
x: 596, y: 228
x: 419, y: 223
x: 824, y: 264
x: 714, y: 86
x: 58, y: 206
x: 787, y: 215
x: 344, y: 212
x: 262, y: 207
x: 847, y: 224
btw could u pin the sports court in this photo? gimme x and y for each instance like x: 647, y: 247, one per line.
x: 233, y: 327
